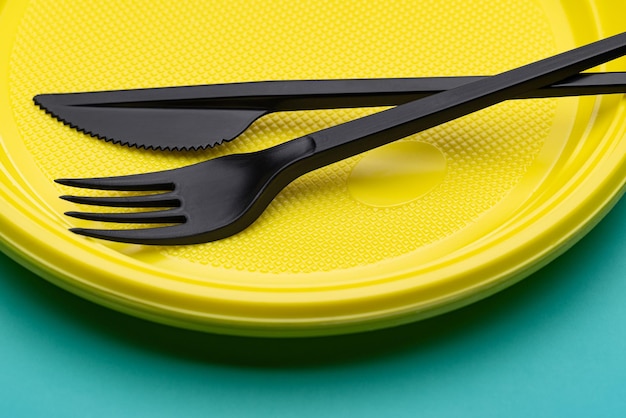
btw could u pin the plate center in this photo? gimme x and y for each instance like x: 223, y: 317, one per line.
x: 397, y: 173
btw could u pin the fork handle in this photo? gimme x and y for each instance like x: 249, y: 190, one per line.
x: 351, y: 138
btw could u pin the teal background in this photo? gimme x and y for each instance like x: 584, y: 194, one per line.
x: 553, y: 345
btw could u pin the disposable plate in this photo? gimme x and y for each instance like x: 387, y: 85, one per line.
x: 411, y: 230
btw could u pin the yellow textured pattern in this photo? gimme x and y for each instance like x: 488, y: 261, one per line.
x: 314, y: 225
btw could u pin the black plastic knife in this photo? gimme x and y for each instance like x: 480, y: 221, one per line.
x: 197, y: 117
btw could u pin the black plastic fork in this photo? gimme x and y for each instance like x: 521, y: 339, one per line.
x: 217, y: 198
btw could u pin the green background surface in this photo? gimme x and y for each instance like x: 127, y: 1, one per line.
x: 553, y: 345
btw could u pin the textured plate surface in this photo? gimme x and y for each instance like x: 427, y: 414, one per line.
x: 407, y: 231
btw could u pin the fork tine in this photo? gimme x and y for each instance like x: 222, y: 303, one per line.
x: 166, y: 235
x: 158, y: 216
x: 134, y: 182
x: 145, y: 201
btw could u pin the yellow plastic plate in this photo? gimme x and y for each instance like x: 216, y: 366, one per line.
x: 404, y: 232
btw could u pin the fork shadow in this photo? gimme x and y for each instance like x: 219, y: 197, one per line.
x: 434, y: 333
